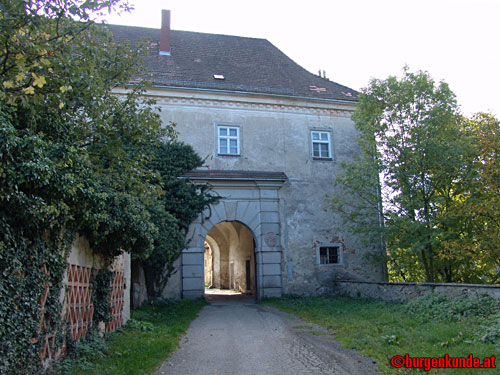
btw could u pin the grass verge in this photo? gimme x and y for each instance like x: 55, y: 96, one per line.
x: 425, y: 327
x: 140, y: 347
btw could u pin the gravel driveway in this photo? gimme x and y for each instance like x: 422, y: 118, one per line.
x: 240, y: 337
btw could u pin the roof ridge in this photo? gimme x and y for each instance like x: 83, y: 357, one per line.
x: 186, y: 31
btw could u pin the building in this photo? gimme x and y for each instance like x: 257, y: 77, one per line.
x: 273, y: 136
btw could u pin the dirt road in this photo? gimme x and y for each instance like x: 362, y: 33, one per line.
x: 239, y: 337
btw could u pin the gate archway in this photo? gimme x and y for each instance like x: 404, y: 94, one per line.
x: 229, y: 259
x: 250, y: 199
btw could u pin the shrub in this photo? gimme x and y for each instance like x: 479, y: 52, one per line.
x: 442, y: 308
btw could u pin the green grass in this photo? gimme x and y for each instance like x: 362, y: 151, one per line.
x: 381, y: 330
x: 144, y: 343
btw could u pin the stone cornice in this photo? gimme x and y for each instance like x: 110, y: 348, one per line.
x: 247, y: 101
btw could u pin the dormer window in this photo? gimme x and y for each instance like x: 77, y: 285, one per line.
x: 228, y: 140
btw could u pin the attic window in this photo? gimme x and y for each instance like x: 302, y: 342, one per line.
x: 218, y: 76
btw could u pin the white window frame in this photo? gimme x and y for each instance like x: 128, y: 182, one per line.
x: 329, y: 246
x: 327, y: 141
x: 228, y: 138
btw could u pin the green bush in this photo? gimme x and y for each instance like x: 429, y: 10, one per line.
x: 442, y: 308
x: 491, y: 332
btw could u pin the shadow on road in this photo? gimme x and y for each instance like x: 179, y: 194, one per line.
x: 227, y: 296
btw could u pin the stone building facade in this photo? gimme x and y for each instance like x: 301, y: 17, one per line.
x: 273, y: 137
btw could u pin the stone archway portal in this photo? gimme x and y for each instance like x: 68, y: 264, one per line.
x: 251, y: 199
x: 229, y: 259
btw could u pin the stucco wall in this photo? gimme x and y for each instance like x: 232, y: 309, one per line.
x: 275, y: 136
x: 173, y: 290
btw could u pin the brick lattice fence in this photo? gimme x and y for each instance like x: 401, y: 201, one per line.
x: 117, y: 297
x: 78, y: 308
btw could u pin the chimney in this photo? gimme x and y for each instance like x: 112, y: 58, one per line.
x: 165, y: 33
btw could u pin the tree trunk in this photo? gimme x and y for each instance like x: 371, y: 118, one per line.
x: 449, y: 274
x: 150, y: 276
x: 430, y: 254
x: 156, y: 279
x: 426, y: 265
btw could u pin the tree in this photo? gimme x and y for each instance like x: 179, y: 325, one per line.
x: 77, y: 158
x: 470, y: 252
x: 66, y: 165
x: 180, y: 203
x: 481, y: 206
x: 411, y: 139
x: 58, y: 72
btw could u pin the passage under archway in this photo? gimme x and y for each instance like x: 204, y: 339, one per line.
x: 229, y: 259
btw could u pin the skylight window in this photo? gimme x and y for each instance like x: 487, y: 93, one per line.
x: 218, y: 76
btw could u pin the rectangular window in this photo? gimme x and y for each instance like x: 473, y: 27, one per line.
x: 321, y: 145
x: 228, y: 140
x: 329, y: 254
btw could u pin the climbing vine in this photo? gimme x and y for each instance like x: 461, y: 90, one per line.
x: 101, y: 295
x: 76, y: 158
x: 65, y: 165
x: 28, y: 275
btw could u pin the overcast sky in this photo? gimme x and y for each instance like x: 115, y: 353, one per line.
x: 457, y: 41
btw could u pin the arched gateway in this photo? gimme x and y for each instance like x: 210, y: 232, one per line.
x: 249, y: 199
x: 230, y: 258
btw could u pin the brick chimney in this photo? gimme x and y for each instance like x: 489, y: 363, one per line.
x: 165, y: 33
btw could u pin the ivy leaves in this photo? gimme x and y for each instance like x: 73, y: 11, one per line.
x: 65, y: 161
x: 81, y: 151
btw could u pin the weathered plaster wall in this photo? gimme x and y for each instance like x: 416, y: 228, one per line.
x: 208, y: 265
x: 244, y: 252
x: 173, y: 290
x: 405, y: 291
x: 240, y: 250
x: 216, y: 281
x: 127, y: 274
x: 275, y: 136
x: 82, y: 255
x: 221, y: 238
x: 139, y: 291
